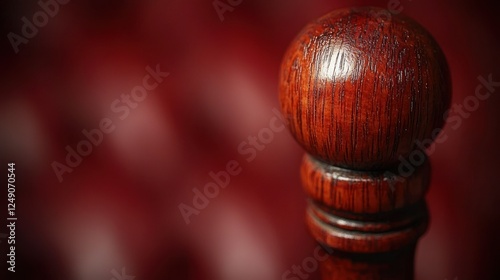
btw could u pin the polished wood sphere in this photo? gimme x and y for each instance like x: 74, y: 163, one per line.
x: 359, y: 88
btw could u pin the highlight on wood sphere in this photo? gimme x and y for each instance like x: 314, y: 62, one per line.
x: 359, y: 90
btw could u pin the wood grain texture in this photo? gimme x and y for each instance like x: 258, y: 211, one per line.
x: 390, y: 233
x: 359, y: 90
x: 362, y: 192
x: 396, y: 265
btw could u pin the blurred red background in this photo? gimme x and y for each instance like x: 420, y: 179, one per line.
x: 119, y: 208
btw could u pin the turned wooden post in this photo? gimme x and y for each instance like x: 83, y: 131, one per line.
x: 364, y: 92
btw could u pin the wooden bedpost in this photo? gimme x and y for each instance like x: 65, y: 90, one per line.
x: 364, y: 93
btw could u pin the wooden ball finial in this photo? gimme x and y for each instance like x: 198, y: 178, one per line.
x: 360, y: 88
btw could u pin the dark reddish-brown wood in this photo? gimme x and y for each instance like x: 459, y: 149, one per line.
x: 363, y: 92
